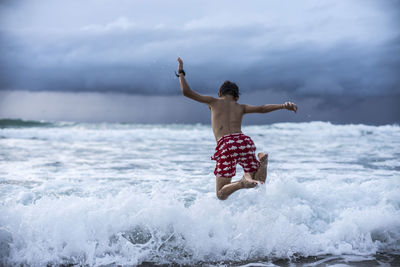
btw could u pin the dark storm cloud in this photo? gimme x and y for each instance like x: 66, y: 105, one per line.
x: 122, y: 55
x: 339, y: 60
x: 78, y: 65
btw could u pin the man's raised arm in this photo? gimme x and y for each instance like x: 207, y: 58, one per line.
x: 269, y: 108
x: 186, y: 91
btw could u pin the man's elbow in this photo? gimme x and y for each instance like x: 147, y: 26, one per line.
x: 186, y: 93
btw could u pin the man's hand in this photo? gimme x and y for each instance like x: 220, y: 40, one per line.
x: 290, y: 106
x: 180, y: 66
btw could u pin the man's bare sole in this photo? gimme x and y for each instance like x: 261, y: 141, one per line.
x: 247, y: 181
x: 261, y: 174
x: 262, y: 157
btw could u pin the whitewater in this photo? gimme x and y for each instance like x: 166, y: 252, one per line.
x: 106, y: 194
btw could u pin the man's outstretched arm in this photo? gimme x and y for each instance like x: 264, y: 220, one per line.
x: 186, y: 91
x: 269, y: 108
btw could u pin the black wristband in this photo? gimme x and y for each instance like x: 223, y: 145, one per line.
x: 180, y: 71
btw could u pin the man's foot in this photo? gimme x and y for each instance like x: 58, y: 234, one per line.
x: 261, y: 174
x: 247, y: 181
x: 263, y: 158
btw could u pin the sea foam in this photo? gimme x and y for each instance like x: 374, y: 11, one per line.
x: 127, y: 194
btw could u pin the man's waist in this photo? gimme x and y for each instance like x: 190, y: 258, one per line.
x: 227, y: 136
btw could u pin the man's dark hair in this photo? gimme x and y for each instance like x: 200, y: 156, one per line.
x: 229, y: 88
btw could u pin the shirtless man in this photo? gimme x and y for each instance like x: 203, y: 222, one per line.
x: 233, y: 146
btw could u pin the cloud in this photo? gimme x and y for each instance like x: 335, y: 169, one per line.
x: 312, y: 49
x: 121, y: 23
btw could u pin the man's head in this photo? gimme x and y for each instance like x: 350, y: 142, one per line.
x: 229, y: 88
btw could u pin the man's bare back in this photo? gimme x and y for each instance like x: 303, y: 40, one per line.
x: 226, y: 116
x: 226, y: 121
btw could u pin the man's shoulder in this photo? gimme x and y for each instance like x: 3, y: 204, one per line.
x: 243, y: 106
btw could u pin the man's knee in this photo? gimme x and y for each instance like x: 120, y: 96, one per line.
x: 221, y: 196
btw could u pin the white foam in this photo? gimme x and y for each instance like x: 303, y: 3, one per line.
x: 129, y: 194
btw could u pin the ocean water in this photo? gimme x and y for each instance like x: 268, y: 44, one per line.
x: 130, y: 194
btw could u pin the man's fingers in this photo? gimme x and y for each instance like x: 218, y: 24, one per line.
x: 286, y: 105
x: 294, y: 107
x: 180, y: 61
x: 291, y: 106
x: 180, y: 66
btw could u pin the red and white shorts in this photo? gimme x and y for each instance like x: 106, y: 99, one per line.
x: 233, y: 149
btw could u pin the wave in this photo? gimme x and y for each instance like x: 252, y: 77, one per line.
x: 132, y: 228
x: 19, y: 123
x: 106, y: 194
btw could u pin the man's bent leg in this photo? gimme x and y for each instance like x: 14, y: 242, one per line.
x: 225, y: 188
x: 261, y: 174
x: 248, y: 180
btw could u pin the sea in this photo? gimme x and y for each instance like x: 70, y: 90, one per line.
x: 120, y: 194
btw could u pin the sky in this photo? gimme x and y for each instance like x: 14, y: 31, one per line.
x: 114, y: 60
